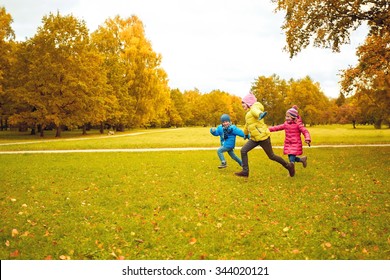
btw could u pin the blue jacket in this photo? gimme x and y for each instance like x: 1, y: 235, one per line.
x: 233, y: 131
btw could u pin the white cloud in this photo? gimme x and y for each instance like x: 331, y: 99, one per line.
x: 218, y: 44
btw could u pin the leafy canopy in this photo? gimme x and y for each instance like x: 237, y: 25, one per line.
x: 329, y: 22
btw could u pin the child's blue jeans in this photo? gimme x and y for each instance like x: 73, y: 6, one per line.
x: 293, y: 158
x: 231, y: 153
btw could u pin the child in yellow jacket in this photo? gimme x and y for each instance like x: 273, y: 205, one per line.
x: 259, y: 135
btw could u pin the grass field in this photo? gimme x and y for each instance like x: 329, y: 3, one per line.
x: 181, y: 137
x: 178, y: 205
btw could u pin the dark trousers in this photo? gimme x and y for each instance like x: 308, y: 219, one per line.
x: 267, y: 147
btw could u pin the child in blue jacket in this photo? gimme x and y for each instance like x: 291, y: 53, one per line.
x: 227, y: 133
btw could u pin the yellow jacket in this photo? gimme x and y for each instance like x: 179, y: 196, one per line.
x: 257, y: 129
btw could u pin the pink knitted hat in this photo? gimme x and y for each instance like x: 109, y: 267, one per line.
x: 249, y: 99
x: 293, y: 112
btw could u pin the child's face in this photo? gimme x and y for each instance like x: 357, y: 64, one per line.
x: 244, y: 106
x: 289, y: 118
x: 225, y: 123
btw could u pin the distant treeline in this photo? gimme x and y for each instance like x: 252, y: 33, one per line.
x: 64, y: 78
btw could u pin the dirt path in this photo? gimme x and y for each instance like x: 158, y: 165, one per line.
x: 86, y: 138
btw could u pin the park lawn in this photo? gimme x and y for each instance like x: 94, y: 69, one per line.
x: 179, y: 205
x: 180, y: 137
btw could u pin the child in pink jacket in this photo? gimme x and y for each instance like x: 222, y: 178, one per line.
x: 293, y: 128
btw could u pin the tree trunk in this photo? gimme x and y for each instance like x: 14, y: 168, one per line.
x: 22, y: 127
x: 378, y: 124
x: 84, y: 129
x: 58, y: 131
x: 101, y: 128
x: 120, y: 127
x: 34, y: 130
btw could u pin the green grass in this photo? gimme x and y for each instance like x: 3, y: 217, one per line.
x: 178, y: 205
x: 182, y: 137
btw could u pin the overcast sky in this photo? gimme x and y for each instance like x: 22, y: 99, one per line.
x: 205, y: 44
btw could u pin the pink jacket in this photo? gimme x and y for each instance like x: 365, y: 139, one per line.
x: 292, y: 141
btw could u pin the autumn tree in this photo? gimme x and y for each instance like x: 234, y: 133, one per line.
x: 277, y: 96
x: 216, y: 103
x: 19, y: 111
x: 65, y: 84
x: 205, y: 109
x: 175, y: 108
x: 239, y: 112
x: 6, y: 36
x: 192, y: 101
x: 369, y: 80
x: 134, y: 73
x: 328, y: 23
x: 312, y: 103
x: 271, y: 92
x: 349, y: 112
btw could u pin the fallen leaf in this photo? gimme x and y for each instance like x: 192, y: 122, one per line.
x: 7, y: 243
x: 327, y: 244
x: 31, y: 223
x: 193, y: 241
x: 49, y: 257
x: 286, y: 229
x: 26, y: 233
x: 295, y: 251
x: 14, y: 254
x: 14, y: 232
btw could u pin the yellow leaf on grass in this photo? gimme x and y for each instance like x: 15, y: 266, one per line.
x: 328, y: 244
x: 26, y: 233
x: 14, y: 232
x: 7, y: 243
x: 31, y: 223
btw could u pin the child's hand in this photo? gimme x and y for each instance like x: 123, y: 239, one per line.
x: 212, y: 129
x: 308, y: 142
